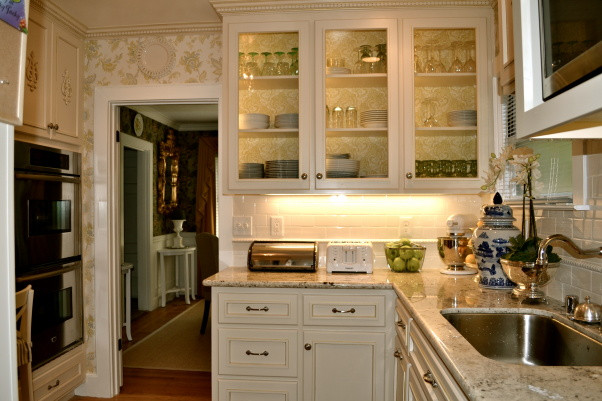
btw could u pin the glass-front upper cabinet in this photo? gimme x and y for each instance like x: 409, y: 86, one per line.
x: 268, y: 106
x: 356, y: 117
x: 446, y: 104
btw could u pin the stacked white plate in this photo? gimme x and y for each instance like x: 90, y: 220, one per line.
x: 290, y: 120
x: 374, y: 119
x: 338, y: 156
x: 282, y: 169
x: 253, y: 121
x: 342, y: 168
x: 250, y: 170
x: 338, y: 70
x: 462, y: 118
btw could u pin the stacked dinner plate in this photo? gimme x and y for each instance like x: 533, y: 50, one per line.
x: 290, y: 120
x: 342, y: 168
x: 250, y: 170
x: 338, y: 156
x: 253, y: 121
x: 462, y: 118
x: 374, y: 119
x: 282, y: 169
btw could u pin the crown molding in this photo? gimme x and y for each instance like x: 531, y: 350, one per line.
x: 242, y: 6
x: 157, y: 29
x: 59, y: 15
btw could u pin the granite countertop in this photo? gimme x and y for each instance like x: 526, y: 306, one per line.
x: 428, y: 293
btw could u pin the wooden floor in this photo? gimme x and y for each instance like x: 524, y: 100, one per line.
x: 158, y: 384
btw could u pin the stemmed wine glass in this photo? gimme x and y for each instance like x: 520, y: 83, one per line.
x: 429, y: 109
x: 470, y: 65
x: 251, y: 67
x: 457, y: 65
x: 269, y: 68
x: 282, y: 66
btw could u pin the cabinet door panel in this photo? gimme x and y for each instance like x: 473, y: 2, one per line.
x: 65, y: 92
x: 12, y: 48
x: 331, y: 367
x: 36, y: 110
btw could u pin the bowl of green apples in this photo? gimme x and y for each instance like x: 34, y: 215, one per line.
x: 404, y: 256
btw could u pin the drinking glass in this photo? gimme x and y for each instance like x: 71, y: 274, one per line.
x: 437, y: 64
x: 418, y: 59
x: 429, y: 64
x: 470, y: 65
x: 282, y: 66
x: 241, y: 64
x: 269, y: 68
x: 338, y: 117
x: 429, y: 109
x: 359, y: 64
x: 351, y: 117
x: 328, y: 117
x: 381, y: 64
x: 294, y: 55
x: 251, y: 67
x: 367, y: 59
x: 457, y: 65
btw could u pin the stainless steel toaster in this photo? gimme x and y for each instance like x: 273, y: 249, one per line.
x: 289, y: 256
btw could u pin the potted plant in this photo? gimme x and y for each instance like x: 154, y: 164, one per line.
x: 519, y: 264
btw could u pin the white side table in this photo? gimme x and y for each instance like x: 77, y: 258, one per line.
x: 187, y: 254
x: 126, y: 271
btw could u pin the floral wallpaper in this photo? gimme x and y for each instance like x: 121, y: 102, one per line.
x: 193, y: 58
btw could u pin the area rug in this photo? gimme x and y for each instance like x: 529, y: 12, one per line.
x: 179, y: 345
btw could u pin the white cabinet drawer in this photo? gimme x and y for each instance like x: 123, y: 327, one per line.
x: 59, y: 377
x: 258, y: 352
x: 257, y: 390
x: 402, y: 324
x: 344, y: 310
x: 436, y: 381
x: 258, y: 308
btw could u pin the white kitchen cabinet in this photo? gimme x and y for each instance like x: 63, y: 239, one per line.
x: 59, y: 378
x: 421, y: 374
x: 505, y: 46
x: 447, y: 102
x: 343, y: 365
x: 334, y: 345
x: 52, y: 110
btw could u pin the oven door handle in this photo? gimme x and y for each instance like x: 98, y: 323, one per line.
x: 66, y: 269
x: 44, y: 177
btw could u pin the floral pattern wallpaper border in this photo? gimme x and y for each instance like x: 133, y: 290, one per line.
x: 114, y: 62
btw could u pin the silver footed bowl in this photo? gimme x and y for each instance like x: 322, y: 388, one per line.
x: 528, y: 276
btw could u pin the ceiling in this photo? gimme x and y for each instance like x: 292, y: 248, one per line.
x: 114, y: 14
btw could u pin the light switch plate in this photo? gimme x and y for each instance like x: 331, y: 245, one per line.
x: 242, y: 226
x: 277, y: 226
x: 405, y: 226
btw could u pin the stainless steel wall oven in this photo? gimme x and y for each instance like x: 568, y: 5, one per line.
x: 48, y: 245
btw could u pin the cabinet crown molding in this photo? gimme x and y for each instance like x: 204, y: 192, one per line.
x: 241, y: 6
x: 59, y: 15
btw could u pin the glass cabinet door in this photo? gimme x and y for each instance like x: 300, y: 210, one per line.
x: 356, y: 85
x: 446, y: 107
x: 268, y: 115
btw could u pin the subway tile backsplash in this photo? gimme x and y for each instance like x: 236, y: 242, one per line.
x: 380, y: 218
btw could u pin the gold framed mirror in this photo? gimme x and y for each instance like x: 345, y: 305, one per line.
x: 167, y: 175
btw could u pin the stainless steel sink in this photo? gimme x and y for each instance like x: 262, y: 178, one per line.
x: 526, y: 339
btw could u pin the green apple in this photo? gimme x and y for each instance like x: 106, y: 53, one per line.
x: 399, y: 265
x: 413, y: 265
x: 406, y: 252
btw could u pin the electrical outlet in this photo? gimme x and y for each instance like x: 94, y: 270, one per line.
x: 405, y: 226
x: 277, y: 226
x: 242, y: 226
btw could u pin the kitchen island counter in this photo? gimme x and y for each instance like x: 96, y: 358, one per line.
x: 426, y: 295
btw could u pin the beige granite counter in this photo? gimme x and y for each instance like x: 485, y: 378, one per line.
x: 428, y: 293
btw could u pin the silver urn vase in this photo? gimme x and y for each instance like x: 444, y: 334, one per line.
x: 491, y: 242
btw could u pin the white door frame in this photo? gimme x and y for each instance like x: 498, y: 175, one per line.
x: 144, y: 213
x: 104, y: 382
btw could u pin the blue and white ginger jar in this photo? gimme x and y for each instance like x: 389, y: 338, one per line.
x: 491, y: 242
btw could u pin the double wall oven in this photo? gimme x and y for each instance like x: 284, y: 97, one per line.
x: 48, y: 245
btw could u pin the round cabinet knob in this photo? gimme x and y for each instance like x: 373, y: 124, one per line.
x: 50, y: 126
x: 409, y: 176
x: 319, y: 176
x: 56, y: 127
x: 307, y: 346
x: 304, y: 176
x: 397, y: 354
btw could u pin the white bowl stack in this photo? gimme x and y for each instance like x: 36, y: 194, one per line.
x: 337, y: 70
x: 290, y: 120
x: 374, y: 119
x: 462, y: 118
x: 253, y: 121
x: 340, y: 166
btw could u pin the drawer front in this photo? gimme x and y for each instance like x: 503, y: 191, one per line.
x: 59, y: 377
x: 257, y: 390
x: 402, y: 324
x: 344, y: 310
x: 258, y: 308
x: 436, y: 380
x: 258, y: 352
